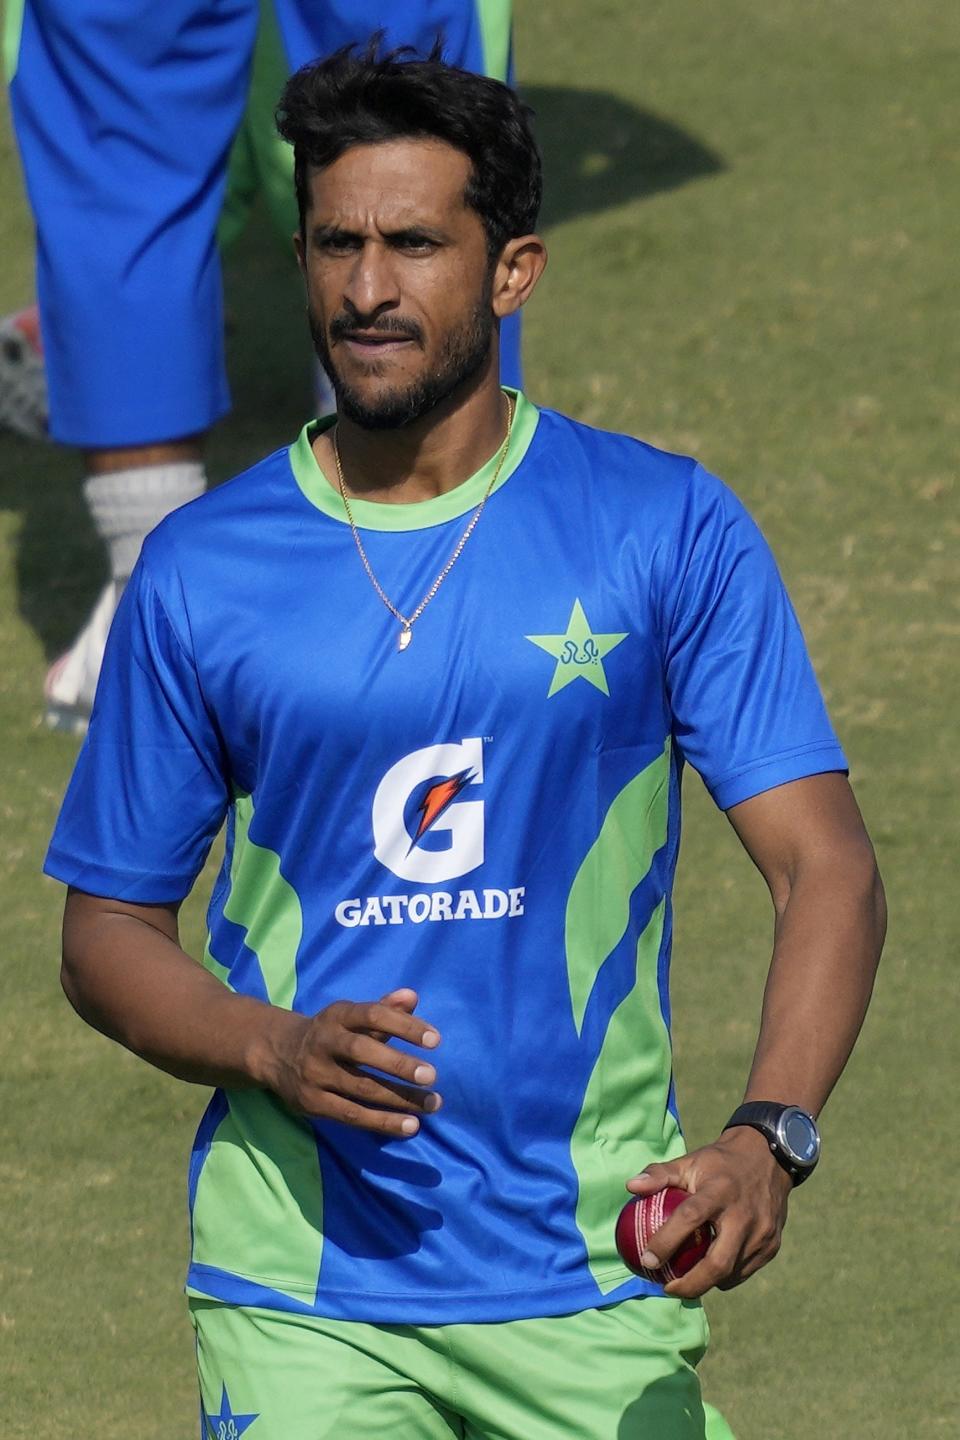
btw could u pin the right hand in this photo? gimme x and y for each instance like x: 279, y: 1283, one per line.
x: 323, y: 1065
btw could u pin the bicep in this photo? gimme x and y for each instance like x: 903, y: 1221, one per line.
x: 811, y: 822
x: 84, y: 914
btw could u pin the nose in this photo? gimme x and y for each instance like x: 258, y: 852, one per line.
x: 372, y: 288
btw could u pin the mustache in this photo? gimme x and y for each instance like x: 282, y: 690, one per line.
x: 343, y: 325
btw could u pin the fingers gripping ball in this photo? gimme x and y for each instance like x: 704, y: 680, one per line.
x: 639, y: 1221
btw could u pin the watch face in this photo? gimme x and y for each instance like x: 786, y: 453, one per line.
x: 800, y: 1136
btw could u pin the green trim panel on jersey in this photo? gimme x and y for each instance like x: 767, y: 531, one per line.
x: 12, y: 30
x: 421, y: 514
x: 266, y: 906
x: 259, y: 1199
x: 598, y: 907
x: 624, y: 1123
x: 258, y: 1206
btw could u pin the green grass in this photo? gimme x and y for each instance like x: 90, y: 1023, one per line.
x: 749, y: 212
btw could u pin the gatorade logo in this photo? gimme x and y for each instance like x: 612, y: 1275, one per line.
x: 423, y: 828
x: 428, y: 828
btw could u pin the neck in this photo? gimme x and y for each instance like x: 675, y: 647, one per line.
x: 427, y: 458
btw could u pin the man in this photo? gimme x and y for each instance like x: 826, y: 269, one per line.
x: 440, y: 665
x: 125, y: 120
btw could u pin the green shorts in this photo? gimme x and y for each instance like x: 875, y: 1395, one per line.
x: 625, y: 1372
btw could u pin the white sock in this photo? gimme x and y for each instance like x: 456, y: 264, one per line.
x: 127, y: 504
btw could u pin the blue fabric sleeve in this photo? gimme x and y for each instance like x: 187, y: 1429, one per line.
x: 150, y: 790
x: 747, y: 710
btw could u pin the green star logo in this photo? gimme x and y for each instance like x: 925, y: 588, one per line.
x: 578, y: 652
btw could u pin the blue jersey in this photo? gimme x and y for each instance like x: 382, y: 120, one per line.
x: 490, y: 817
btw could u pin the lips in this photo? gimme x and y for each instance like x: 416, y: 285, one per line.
x: 377, y: 339
x: 375, y: 348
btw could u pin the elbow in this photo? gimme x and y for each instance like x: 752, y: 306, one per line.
x: 842, y: 882
x: 76, y: 948
x: 876, y: 905
x: 70, y: 981
x: 857, y: 867
x: 856, y: 871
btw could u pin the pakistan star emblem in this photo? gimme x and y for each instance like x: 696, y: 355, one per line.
x: 226, y: 1425
x: 578, y: 652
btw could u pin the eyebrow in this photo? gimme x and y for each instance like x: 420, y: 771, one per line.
x: 320, y: 233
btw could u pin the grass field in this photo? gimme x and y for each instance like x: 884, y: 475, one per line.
x: 750, y: 211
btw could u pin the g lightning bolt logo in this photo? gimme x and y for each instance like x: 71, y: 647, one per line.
x: 437, y: 798
x: 446, y: 771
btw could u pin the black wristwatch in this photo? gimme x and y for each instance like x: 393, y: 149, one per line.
x: 790, y: 1132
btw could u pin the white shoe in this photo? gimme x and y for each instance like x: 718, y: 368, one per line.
x: 23, y: 380
x: 71, y: 681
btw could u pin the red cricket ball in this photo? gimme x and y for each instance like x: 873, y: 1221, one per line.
x: 641, y: 1218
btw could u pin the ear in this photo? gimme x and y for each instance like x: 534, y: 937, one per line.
x: 298, y: 250
x: 520, y: 266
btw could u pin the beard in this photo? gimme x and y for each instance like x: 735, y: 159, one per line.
x: 463, y: 353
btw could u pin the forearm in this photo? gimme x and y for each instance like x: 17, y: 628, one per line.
x: 125, y: 974
x: 830, y: 928
x: 133, y: 982
x: 808, y: 840
x: 829, y: 934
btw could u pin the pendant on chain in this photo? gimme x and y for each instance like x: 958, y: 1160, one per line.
x: 406, y: 626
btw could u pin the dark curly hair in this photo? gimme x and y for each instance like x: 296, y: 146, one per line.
x: 364, y: 98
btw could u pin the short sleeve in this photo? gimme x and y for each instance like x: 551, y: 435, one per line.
x: 747, y: 710
x: 150, y: 790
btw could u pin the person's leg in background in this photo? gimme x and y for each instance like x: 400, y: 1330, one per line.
x: 23, y: 380
x: 124, y: 116
x: 124, y: 129
x: 260, y: 162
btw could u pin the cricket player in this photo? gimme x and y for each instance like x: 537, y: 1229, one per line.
x: 438, y: 665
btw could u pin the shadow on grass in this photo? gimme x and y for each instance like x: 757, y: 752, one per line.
x: 600, y: 151
x: 59, y: 564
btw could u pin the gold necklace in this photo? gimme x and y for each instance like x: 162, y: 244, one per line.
x: 407, y: 622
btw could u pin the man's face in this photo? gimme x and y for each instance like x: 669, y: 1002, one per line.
x: 399, y: 279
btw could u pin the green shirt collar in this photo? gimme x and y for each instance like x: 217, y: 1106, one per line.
x: 420, y: 514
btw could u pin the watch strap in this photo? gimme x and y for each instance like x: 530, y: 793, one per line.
x: 764, y: 1116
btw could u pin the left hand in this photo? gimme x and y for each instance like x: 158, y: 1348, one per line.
x: 737, y: 1186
